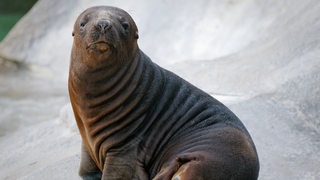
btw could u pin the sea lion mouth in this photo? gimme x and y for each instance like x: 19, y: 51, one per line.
x: 101, y: 46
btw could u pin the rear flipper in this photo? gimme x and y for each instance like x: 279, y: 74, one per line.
x: 199, y: 166
x: 229, y: 155
x: 182, y: 167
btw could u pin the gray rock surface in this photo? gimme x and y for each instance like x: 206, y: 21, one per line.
x: 261, y: 58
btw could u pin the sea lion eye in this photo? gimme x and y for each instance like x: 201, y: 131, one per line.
x: 125, y: 25
x: 82, y: 24
x: 84, y: 20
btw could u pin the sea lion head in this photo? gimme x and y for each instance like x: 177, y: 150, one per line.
x: 104, y: 35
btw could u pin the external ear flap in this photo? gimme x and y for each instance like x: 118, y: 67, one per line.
x: 136, y: 35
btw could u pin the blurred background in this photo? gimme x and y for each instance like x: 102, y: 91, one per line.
x: 260, y: 58
x: 10, y: 12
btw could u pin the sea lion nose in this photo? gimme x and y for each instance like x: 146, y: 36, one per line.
x: 103, y: 25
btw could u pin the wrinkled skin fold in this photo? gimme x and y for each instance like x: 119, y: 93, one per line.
x: 139, y: 121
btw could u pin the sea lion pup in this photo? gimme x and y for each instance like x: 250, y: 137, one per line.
x: 140, y: 121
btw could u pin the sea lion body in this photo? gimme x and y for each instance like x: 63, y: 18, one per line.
x: 140, y: 121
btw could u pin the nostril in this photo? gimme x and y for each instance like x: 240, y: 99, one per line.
x: 103, y: 25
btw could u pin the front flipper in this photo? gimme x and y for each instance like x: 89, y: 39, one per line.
x: 88, y: 169
x: 121, y: 168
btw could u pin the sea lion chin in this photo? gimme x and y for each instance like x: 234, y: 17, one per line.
x: 100, y: 50
x: 100, y: 46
